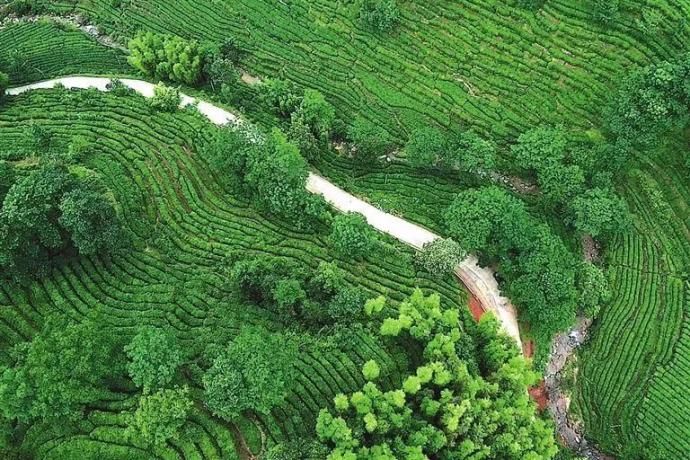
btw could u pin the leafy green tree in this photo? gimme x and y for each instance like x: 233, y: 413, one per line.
x: 440, y: 410
x: 532, y: 5
x: 316, y: 113
x: 39, y: 136
x: 346, y: 304
x: 440, y: 257
x: 59, y: 372
x: 540, y: 148
x: 165, y: 98
x: 251, y: 374
x: 220, y: 72
x: 281, y: 95
x: 167, y: 57
x: 380, y: 15
x: 159, y: 416
x: 601, y: 213
x: 472, y: 154
x: 232, y: 50
x: 370, y: 141
x: 426, y: 147
x: 606, y: 11
x: 154, y: 357
x: 7, y: 179
x: 4, y: 83
x: 90, y: 219
x: 594, y: 289
x: 352, y: 236
x: 228, y: 153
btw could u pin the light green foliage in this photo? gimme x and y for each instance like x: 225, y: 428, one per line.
x: 379, y: 15
x: 167, y: 57
x: 154, y: 357
x: 371, y: 370
x: 60, y: 371
x: 369, y: 140
x: 251, y: 374
x: 351, y: 236
x: 160, y: 416
x: 165, y: 98
x: 440, y: 257
x: 441, y: 410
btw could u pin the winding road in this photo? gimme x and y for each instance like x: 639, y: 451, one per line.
x: 479, y: 281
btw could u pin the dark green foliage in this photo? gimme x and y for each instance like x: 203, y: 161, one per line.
x: 303, y: 449
x: 160, y: 416
x: 606, y: 11
x: 440, y: 257
x: 441, y: 410
x: 531, y: 4
x: 472, y: 154
x: 60, y: 371
x: 39, y: 136
x: 221, y: 72
x: 351, y: 236
x: 593, y: 287
x: 167, y: 57
x: 601, y: 213
x: 154, y: 357
x: 316, y: 113
x: 379, y: 15
x: 427, y: 147
x: 369, y: 140
x: 47, y: 213
x: 282, y: 96
x: 7, y: 178
x: 251, y: 374
x: 90, y: 219
x: 4, y: 82
x: 537, y: 269
x: 232, y: 50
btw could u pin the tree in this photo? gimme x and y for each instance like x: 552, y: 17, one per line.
x: 380, y: 15
x: 159, y: 416
x: 154, y: 357
x: 606, y: 11
x: 90, y: 219
x: 472, y: 154
x: 232, y: 50
x: 601, y: 213
x: 7, y: 179
x: 440, y: 257
x: 167, y: 57
x: 251, y: 374
x: 4, y: 83
x: 165, y: 98
x: 281, y: 95
x: 427, y: 147
x: 64, y: 368
x: 540, y: 148
x: 594, y: 289
x: 352, y: 236
x: 440, y: 410
x: 221, y: 72
x: 370, y: 141
x: 316, y: 113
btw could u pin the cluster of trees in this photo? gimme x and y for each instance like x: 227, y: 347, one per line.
x: 574, y: 180
x: 313, y: 297
x: 268, y: 170
x: 538, y: 271
x: 442, y: 409
x: 175, y: 59
x: 52, y: 212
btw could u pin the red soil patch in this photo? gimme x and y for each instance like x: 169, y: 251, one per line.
x: 540, y: 395
x: 475, y: 308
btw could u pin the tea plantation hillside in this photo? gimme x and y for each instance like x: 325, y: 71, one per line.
x: 485, y: 63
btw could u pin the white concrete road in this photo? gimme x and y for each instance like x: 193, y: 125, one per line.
x: 480, y: 281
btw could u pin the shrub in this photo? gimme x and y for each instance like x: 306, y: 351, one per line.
x: 167, y: 57
x: 440, y: 257
x: 351, y: 236
x: 380, y: 15
x: 165, y: 98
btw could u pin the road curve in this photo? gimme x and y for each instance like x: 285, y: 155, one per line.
x: 479, y: 281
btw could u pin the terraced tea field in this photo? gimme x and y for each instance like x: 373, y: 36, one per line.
x: 481, y: 63
x: 635, y: 369
x: 181, y: 226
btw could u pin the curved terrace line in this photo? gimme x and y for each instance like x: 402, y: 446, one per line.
x: 479, y: 281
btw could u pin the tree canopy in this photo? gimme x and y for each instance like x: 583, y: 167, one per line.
x: 167, y: 57
x: 154, y: 357
x: 351, y: 236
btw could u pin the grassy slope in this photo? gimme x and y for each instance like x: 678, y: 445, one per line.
x: 182, y: 225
